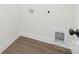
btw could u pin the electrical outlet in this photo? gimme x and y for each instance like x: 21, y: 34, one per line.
x: 31, y: 11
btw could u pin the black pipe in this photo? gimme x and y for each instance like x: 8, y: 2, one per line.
x: 72, y: 32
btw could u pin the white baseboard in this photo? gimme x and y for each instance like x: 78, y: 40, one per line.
x: 9, y: 42
x: 36, y: 37
x: 44, y: 39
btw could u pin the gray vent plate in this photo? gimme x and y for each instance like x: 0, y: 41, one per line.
x: 59, y: 36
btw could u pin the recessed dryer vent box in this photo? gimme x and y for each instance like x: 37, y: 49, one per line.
x: 59, y: 36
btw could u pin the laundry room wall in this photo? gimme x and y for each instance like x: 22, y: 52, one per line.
x: 42, y: 21
x: 9, y: 22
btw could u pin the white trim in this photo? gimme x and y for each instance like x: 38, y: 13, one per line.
x: 44, y: 39
x: 36, y: 37
x: 9, y: 42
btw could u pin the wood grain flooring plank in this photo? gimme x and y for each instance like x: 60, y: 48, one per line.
x: 25, y: 45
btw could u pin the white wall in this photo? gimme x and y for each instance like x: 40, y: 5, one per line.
x: 9, y: 22
x: 42, y: 24
x: 76, y: 40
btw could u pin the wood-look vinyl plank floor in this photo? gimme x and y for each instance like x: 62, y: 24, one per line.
x: 24, y: 45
